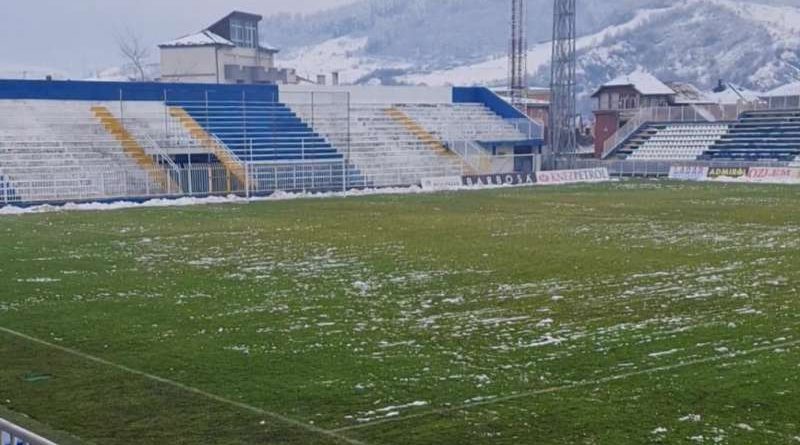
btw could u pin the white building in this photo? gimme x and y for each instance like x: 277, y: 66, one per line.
x: 228, y: 51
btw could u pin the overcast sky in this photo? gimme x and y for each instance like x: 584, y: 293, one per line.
x: 78, y: 36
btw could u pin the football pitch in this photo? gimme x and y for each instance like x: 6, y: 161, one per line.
x: 624, y: 313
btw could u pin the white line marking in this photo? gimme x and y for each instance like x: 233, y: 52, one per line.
x: 244, y: 406
x: 555, y: 389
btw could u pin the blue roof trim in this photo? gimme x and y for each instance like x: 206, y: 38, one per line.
x: 488, y: 98
x: 495, y: 103
x: 131, y: 91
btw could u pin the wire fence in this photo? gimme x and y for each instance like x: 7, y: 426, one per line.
x: 265, y: 178
x: 259, y: 178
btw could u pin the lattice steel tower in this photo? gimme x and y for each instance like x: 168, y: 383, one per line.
x: 562, y: 82
x: 518, y: 53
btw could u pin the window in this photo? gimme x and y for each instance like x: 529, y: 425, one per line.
x: 244, y: 33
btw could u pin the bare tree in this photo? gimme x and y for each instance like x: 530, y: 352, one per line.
x: 134, y: 51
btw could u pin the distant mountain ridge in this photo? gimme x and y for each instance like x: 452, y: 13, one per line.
x: 751, y: 43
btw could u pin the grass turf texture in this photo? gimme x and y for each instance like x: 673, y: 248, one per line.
x: 624, y: 313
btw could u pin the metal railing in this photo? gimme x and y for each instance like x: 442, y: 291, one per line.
x: 479, y: 161
x: 473, y: 155
x: 11, y: 434
x: 160, y: 156
x: 261, y: 178
x: 527, y: 127
x: 624, y: 132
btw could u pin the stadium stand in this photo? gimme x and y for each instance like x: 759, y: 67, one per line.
x: 463, y: 121
x: 66, y: 141
x: 382, y: 148
x: 131, y: 146
x: 264, y: 132
x: 756, y: 136
x: 58, y: 150
x: 396, y: 144
x: 772, y: 135
x: 674, y: 141
x: 260, y: 131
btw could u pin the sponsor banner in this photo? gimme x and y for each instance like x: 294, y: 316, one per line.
x: 774, y: 175
x: 688, y: 173
x: 441, y: 183
x: 572, y: 176
x: 727, y: 172
x: 766, y: 175
x: 498, y: 179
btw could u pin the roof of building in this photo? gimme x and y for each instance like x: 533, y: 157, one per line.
x: 238, y: 14
x: 732, y: 95
x: 207, y: 37
x: 686, y: 93
x: 267, y: 47
x: 202, y: 38
x: 790, y: 89
x: 644, y: 82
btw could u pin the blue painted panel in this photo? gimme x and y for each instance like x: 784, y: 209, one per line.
x: 7, y: 192
x: 488, y: 98
x: 145, y: 91
x: 496, y: 104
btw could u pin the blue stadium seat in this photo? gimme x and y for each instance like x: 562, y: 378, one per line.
x: 7, y: 192
x: 264, y: 132
x: 760, y: 136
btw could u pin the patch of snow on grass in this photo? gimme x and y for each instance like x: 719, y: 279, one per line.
x: 663, y: 353
x: 38, y: 280
x: 386, y: 412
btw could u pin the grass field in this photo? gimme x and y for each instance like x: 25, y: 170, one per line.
x: 627, y: 313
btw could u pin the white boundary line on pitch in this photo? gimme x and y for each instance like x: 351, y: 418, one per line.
x: 275, y: 416
x: 555, y: 389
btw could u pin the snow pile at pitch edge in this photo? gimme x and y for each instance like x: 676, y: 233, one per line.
x: 189, y: 201
x: 233, y: 199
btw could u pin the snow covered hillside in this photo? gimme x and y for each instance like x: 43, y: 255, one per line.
x: 755, y: 44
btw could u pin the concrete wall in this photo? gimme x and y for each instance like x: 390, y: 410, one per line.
x: 190, y: 64
x: 368, y: 94
x: 606, y: 124
x: 246, y: 57
x: 206, y: 64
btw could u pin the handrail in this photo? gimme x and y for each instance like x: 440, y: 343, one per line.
x: 230, y: 152
x: 482, y: 165
x: 625, y: 131
x: 18, y: 433
x: 161, y: 155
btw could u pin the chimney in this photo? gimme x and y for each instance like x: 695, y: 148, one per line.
x: 321, y: 79
x: 335, y: 78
